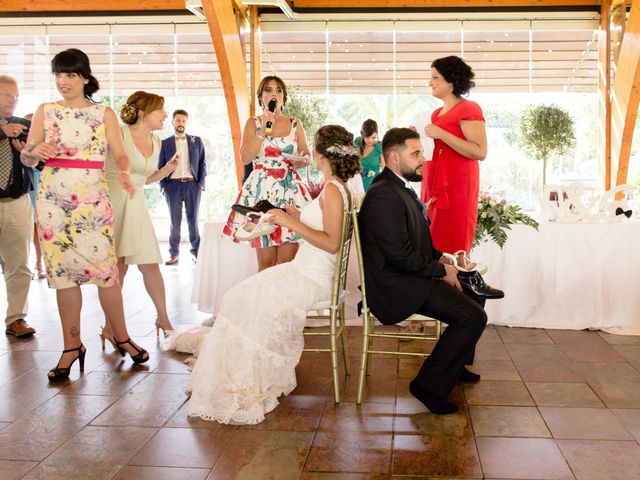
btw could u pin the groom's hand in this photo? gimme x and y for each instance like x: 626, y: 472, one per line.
x: 451, y: 277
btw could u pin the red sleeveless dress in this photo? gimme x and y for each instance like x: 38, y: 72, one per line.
x: 452, y: 182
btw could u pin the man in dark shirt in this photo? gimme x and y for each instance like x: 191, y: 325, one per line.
x: 16, y: 213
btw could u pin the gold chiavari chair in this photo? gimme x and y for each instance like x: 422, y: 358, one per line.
x: 333, y: 310
x: 369, y: 332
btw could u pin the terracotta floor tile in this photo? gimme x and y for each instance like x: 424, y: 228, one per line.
x: 497, y: 392
x: 104, y: 383
x: 583, y: 423
x: 630, y: 419
x: 52, y: 423
x: 313, y: 385
x: 490, y: 336
x: 263, y: 455
x: 13, y: 470
x: 602, y: 460
x: 334, y: 476
x: 16, y: 363
x: 140, y: 407
x: 584, y: 346
x: 183, y: 447
x: 543, y: 363
x: 631, y: 353
x: 372, y: 418
x: 411, y: 417
x: 161, y: 473
x: 617, y: 385
x: 496, y: 369
x: 376, y: 389
x: 435, y: 456
x: 180, y: 419
x: 490, y: 421
x: 491, y: 351
x: 296, y: 413
x: 350, y: 451
x: 531, y: 336
x: 24, y: 393
x: 103, y: 452
x: 522, y: 458
x: 620, y: 339
x: 563, y: 395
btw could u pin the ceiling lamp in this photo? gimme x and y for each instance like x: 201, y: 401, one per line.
x: 195, y: 7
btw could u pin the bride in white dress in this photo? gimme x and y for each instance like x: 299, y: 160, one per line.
x: 248, y: 358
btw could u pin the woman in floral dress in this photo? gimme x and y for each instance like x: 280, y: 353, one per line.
x: 274, y: 177
x: 73, y: 211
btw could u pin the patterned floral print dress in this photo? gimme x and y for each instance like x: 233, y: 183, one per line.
x: 274, y: 179
x: 73, y: 209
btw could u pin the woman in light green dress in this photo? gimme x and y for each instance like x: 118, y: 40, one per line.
x: 135, y: 238
x: 371, y: 150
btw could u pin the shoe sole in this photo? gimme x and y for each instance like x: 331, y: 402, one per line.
x: 24, y: 334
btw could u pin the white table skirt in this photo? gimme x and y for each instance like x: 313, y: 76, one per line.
x: 566, y: 276
x: 222, y: 263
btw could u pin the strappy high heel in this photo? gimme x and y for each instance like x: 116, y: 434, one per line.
x: 164, y: 330
x: 463, y: 263
x: 60, y: 373
x: 104, y: 338
x: 250, y: 230
x: 141, y: 352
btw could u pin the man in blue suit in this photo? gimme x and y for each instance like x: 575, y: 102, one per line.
x: 185, y: 184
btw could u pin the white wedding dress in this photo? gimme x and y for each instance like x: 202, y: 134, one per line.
x: 248, y: 358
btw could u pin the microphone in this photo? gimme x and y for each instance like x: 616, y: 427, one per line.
x: 272, y: 108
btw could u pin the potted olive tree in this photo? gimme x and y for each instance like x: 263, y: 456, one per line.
x: 546, y: 130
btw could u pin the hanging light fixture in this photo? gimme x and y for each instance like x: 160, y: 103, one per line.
x: 195, y: 7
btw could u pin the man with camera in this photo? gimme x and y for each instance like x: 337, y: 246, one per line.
x: 16, y: 213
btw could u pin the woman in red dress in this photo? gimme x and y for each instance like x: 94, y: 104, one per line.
x: 451, y: 180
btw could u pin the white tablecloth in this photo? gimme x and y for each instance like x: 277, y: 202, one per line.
x: 221, y: 264
x: 568, y: 276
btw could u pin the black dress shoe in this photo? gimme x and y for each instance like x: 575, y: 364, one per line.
x: 469, y: 377
x: 263, y: 206
x: 473, y: 283
x: 434, y: 403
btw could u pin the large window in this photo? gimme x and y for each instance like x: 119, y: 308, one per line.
x: 359, y: 67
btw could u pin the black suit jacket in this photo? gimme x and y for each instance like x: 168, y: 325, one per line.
x: 22, y: 176
x: 400, y: 261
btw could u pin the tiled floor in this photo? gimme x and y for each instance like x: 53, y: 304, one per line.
x: 552, y: 404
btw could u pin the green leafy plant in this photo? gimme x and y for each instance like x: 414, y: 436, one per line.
x: 495, y: 217
x: 546, y: 130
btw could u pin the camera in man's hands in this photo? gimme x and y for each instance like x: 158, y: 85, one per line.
x: 23, y: 136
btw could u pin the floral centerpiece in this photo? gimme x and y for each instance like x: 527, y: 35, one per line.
x: 495, y: 217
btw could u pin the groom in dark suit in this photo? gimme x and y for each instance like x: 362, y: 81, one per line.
x: 185, y: 185
x: 403, y: 274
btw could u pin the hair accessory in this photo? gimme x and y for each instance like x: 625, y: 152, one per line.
x: 343, y: 150
x: 130, y: 110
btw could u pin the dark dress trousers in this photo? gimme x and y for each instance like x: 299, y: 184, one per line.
x: 188, y: 193
x: 403, y: 277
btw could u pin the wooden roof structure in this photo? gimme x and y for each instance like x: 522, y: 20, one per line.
x: 568, y: 59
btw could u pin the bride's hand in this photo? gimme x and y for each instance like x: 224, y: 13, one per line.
x: 280, y: 217
x: 292, y: 211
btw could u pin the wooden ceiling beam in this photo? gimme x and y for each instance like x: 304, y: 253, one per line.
x: 223, y: 27
x: 38, y: 6
x: 625, y: 96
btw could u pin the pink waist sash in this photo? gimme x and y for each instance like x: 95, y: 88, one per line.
x: 71, y: 163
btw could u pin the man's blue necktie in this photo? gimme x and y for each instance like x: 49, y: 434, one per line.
x: 423, y: 209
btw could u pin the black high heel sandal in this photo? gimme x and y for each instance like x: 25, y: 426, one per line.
x: 59, y: 373
x: 139, y: 357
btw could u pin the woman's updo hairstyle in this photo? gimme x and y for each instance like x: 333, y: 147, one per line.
x: 140, y: 101
x: 335, y: 143
x: 457, y: 73
x: 76, y: 61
